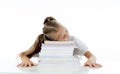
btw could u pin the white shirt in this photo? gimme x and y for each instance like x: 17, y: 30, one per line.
x: 80, y: 46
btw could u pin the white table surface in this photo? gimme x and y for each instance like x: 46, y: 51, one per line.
x: 8, y: 66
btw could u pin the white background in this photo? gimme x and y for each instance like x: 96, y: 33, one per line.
x: 95, y: 22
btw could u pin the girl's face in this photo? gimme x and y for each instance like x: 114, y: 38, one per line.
x: 62, y: 34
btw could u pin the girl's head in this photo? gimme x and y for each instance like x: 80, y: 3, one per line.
x: 54, y: 31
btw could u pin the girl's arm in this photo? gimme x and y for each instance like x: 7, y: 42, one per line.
x: 91, y: 62
x: 26, y: 55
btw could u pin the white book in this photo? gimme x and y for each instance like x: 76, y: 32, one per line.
x: 58, y: 47
x: 59, y: 42
x: 61, y: 63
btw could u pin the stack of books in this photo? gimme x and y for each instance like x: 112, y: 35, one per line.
x: 58, y: 48
x: 56, y: 52
x: 58, y: 55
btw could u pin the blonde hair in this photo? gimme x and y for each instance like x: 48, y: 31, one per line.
x: 50, y: 28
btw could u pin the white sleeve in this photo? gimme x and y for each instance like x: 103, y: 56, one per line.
x: 80, y: 45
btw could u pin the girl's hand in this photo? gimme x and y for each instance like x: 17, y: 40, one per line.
x: 92, y: 64
x: 26, y: 63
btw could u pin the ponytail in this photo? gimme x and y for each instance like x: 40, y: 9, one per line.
x: 37, y: 45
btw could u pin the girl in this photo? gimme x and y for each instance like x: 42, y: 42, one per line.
x: 54, y: 31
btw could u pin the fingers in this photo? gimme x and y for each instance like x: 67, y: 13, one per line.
x: 88, y: 64
x: 97, y: 65
x: 26, y: 64
x: 93, y: 65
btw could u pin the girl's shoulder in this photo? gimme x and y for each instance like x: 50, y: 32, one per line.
x: 72, y: 38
